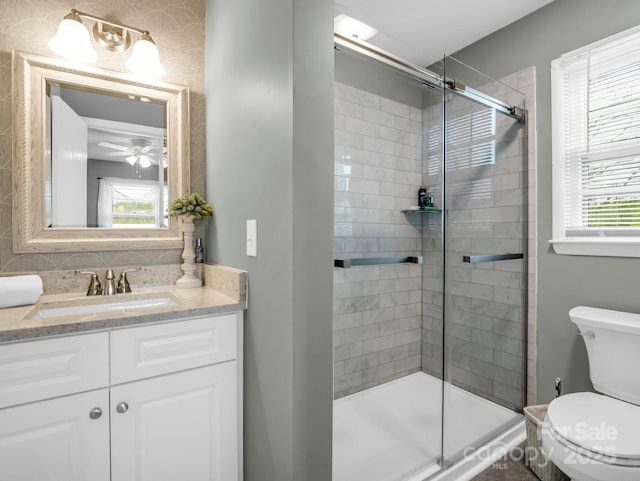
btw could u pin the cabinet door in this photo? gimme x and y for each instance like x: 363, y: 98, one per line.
x: 56, y: 440
x: 178, y: 426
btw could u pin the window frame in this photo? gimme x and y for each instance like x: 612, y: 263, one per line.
x: 617, y: 243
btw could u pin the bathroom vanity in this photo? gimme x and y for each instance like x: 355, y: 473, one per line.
x: 141, y: 386
x: 149, y: 394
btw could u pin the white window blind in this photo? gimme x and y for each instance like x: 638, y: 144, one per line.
x: 596, y: 130
x: 470, y: 138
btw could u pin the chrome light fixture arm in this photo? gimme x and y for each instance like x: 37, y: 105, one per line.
x: 97, y: 19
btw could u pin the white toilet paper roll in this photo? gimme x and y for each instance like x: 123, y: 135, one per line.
x: 19, y: 290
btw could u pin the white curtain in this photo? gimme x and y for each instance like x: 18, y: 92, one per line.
x: 105, y: 203
x: 110, y: 188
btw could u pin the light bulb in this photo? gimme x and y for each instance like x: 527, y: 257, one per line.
x: 144, y: 161
x: 72, y: 40
x: 132, y: 159
x: 145, y: 58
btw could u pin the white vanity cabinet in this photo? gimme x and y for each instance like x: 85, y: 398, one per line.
x: 155, y: 402
x: 174, y: 402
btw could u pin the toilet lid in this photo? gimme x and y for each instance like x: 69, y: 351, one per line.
x: 597, y: 423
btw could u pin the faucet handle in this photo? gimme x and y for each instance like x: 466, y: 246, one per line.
x: 123, y: 282
x: 95, y: 288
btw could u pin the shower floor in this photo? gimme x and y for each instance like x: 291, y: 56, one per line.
x: 392, y: 432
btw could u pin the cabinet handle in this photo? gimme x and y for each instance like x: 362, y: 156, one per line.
x: 95, y: 413
x: 122, y: 407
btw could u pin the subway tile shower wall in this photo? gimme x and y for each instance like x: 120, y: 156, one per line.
x: 388, y: 318
x: 378, y: 171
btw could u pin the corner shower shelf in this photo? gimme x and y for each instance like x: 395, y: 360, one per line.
x: 425, y: 210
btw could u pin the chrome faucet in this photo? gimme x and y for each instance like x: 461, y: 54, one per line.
x: 110, y: 287
x: 95, y: 288
x: 109, y: 284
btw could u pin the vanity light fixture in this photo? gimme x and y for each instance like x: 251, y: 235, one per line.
x: 72, y: 42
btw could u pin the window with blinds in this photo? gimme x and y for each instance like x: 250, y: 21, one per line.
x: 596, y: 139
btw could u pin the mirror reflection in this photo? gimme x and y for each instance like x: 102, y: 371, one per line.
x: 120, y: 130
x: 107, y: 159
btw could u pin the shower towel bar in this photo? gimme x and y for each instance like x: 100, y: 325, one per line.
x: 372, y: 261
x: 491, y: 258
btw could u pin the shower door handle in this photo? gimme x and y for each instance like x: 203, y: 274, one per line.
x: 491, y: 258
x: 375, y: 261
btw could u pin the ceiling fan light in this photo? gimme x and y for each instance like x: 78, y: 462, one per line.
x: 72, y: 40
x: 145, y: 161
x: 145, y: 58
x: 132, y: 159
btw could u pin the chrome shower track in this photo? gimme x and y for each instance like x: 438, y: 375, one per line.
x: 427, y: 77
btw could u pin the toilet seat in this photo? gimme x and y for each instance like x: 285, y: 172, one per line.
x: 597, y: 427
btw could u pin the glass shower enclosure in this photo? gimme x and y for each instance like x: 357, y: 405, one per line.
x: 429, y: 303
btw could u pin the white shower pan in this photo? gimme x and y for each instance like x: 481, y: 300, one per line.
x: 393, y: 432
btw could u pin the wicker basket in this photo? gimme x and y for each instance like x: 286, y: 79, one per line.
x: 539, y: 464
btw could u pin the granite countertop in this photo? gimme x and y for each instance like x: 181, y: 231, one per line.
x: 224, y: 291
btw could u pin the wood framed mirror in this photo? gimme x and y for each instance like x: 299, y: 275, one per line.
x: 97, y: 158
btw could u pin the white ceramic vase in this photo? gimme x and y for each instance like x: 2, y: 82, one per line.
x: 190, y: 277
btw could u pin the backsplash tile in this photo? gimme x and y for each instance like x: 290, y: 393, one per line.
x: 66, y: 281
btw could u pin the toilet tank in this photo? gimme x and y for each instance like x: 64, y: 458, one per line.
x: 613, y: 346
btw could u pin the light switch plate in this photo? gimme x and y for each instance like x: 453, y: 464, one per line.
x: 252, y: 238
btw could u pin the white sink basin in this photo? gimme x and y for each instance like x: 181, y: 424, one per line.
x: 94, y: 306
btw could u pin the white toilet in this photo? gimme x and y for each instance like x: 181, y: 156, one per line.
x: 596, y: 437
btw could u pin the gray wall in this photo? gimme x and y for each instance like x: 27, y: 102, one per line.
x: 269, y: 114
x: 564, y: 281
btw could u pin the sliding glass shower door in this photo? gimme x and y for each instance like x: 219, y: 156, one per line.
x: 484, y: 277
x: 429, y: 303
x: 387, y: 413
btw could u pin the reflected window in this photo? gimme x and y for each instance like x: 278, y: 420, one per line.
x: 125, y: 204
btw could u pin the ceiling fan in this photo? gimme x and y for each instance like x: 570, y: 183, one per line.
x: 137, y: 154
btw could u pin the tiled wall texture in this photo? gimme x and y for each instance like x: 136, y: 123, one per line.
x: 28, y: 25
x: 378, y: 171
x: 484, y: 342
x: 378, y: 310
x: 525, y: 81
